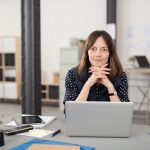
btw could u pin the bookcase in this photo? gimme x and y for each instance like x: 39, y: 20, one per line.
x: 10, y: 68
x: 50, y: 93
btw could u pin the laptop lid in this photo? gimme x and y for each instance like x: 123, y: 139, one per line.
x: 142, y: 61
x: 104, y: 119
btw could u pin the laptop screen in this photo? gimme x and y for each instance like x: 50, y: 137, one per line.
x: 142, y: 61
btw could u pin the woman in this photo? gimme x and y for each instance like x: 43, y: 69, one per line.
x: 99, y: 76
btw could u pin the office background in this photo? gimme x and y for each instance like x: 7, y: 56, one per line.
x: 63, y: 21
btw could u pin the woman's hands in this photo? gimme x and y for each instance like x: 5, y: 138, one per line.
x: 99, y: 75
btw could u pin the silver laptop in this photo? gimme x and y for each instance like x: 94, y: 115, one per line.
x: 102, y: 119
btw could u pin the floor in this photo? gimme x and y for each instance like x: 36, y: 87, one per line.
x: 11, y: 108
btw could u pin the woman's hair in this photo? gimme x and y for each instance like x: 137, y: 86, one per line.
x: 113, y: 61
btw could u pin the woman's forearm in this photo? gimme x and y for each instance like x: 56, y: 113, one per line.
x: 113, y: 98
x: 84, y: 93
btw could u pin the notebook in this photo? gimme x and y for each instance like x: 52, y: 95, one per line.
x: 142, y: 61
x: 102, y: 119
x: 52, y: 147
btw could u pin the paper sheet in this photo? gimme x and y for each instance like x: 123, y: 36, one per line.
x: 39, y: 133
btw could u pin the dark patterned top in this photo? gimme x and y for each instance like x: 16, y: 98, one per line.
x: 75, y: 82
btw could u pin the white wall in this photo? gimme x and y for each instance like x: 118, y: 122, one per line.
x: 62, y: 20
x: 134, y: 39
x: 10, y: 17
x: 133, y: 28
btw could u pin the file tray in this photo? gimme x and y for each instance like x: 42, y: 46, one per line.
x: 26, y: 145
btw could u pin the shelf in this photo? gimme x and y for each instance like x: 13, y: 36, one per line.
x: 1, y: 75
x: 44, y: 95
x: 53, y: 92
x: 9, y: 67
x: 50, y: 93
x: 9, y: 59
x: 43, y: 87
x: 52, y: 102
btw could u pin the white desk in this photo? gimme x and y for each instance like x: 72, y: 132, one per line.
x: 145, y: 92
x: 138, y: 70
x: 139, y: 139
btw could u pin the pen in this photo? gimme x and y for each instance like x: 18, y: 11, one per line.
x: 56, y: 132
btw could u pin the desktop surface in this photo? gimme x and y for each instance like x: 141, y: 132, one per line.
x: 138, y: 140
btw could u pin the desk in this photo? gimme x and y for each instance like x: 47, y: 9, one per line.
x: 145, y: 92
x: 139, y: 139
x: 138, y: 70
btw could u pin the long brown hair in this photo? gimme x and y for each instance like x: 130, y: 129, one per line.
x: 113, y: 61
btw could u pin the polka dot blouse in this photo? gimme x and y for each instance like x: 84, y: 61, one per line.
x: 97, y: 92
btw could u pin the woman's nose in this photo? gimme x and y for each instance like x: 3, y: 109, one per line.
x: 97, y: 53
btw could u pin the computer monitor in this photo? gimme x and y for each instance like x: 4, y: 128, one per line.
x: 142, y: 61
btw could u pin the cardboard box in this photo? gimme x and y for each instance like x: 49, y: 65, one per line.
x: 56, y: 78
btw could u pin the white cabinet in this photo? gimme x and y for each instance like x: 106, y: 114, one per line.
x: 10, y: 90
x: 10, y: 68
x: 9, y: 44
x: 69, y: 58
x: 1, y: 90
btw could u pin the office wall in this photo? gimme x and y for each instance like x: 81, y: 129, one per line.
x: 62, y: 20
x: 133, y: 26
x: 65, y: 19
x: 10, y: 17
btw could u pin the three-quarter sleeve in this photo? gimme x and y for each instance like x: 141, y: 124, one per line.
x: 123, y: 88
x: 71, y: 91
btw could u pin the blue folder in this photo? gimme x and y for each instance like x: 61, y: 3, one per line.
x: 26, y: 145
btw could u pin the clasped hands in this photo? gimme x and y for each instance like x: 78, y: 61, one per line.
x: 99, y: 75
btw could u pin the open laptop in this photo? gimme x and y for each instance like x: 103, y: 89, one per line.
x: 142, y: 61
x: 102, y: 119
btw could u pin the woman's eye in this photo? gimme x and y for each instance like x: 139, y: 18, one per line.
x: 94, y: 49
x: 104, y: 50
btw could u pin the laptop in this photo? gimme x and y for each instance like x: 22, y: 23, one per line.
x: 142, y: 61
x: 98, y: 119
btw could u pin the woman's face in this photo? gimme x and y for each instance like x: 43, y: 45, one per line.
x: 98, y: 53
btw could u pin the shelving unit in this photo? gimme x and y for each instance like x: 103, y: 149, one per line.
x: 50, y: 94
x: 10, y: 68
